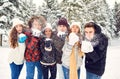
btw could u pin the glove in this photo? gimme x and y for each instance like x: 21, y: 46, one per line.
x: 48, y: 42
x: 86, y: 47
x: 48, y: 46
x: 36, y: 32
x: 21, y: 38
x: 73, y: 38
x: 60, y: 33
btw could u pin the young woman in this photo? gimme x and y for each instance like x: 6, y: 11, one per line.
x: 72, y: 55
x: 61, y: 32
x: 17, y: 48
x: 48, y: 57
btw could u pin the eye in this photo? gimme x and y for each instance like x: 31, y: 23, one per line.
x: 86, y: 32
x: 90, y: 32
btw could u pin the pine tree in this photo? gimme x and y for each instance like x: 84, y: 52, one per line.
x: 90, y: 10
x: 10, y: 9
x: 51, y: 11
x: 117, y: 16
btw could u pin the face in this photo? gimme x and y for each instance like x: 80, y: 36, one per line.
x: 19, y: 28
x: 89, y: 32
x: 75, y: 29
x: 62, y: 28
x: 36, y: 25
x: 48, y: 32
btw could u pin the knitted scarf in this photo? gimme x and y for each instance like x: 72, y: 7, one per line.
x: 73, y: 64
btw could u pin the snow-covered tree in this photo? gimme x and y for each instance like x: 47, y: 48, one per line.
x: 74, y: 10
x: 10, y: 9
x: 50, y: 10
x: 90, y: 10
x: 116, y: 11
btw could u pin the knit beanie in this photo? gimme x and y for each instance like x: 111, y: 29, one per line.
x: 76, y: 23
x: 48, y: 25
x: 17, y: 21
x: 63, y: 21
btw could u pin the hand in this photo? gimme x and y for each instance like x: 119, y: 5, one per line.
x: 73, y: 38
x: 36, y: 32
x: 21, y: 38
x: 60, y: 33
x: 48, y: 42
x: 86, y: 47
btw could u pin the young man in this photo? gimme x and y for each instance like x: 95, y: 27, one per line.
x: 32, y: 53
x: 95, y: 48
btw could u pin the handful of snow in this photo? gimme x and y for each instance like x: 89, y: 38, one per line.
x: 36, y: 32
x: 73, y: 38
x: 86, y: 47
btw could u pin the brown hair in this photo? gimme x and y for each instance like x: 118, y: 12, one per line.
x: 93, y: 25
x: 13, y: 37
x: 41, y: 20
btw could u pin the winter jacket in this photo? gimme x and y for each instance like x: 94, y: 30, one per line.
x: 32, y: 52
x: 58, y: 43
x: 67, y: 50
x: 47, y: 57
x: 16, y: 55
x: 95, y: 61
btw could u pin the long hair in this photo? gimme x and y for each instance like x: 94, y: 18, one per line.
x: 13, y: 38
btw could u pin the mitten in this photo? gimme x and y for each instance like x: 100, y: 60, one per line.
x: 60, y: 33
x: 73, y: 38
x: 48, y: 44
x: 21, y: 38
x: 86, y: 47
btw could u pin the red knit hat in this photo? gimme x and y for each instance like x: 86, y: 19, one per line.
x: 63, y: 21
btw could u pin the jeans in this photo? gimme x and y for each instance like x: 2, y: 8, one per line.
x: 30, y: 68
x: 15, y: 70
x: 45, y: 70
x: 66, y: 72
x: 92, y: 76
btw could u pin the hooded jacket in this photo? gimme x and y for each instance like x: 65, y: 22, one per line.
x: 95, y: 61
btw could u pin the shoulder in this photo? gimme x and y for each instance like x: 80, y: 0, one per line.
x: 27, y: 32
x: 103, y: 37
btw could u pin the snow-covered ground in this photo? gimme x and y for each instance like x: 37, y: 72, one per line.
x: 111, y: 72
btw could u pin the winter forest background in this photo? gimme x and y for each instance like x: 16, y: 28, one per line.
x: 74, y: 10
x: 83, y: 11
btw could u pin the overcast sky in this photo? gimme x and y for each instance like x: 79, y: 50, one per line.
x: 110, y: 2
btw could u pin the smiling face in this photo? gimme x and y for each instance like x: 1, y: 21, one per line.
x: 89, y: 32
x: 19, y: 28
x: 48, y: 32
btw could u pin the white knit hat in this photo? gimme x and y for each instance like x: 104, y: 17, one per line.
x: 48, y: 25
x: 17, y: 21
x: 76, y: 23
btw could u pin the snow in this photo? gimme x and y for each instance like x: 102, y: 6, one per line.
x: 112, y: 63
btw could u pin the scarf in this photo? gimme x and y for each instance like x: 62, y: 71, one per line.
x: 73, y: 64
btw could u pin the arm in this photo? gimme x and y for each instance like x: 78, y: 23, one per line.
x: 67, y: 49
x: 100, y: 48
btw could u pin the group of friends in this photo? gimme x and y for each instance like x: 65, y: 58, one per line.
x: 56, y: 53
